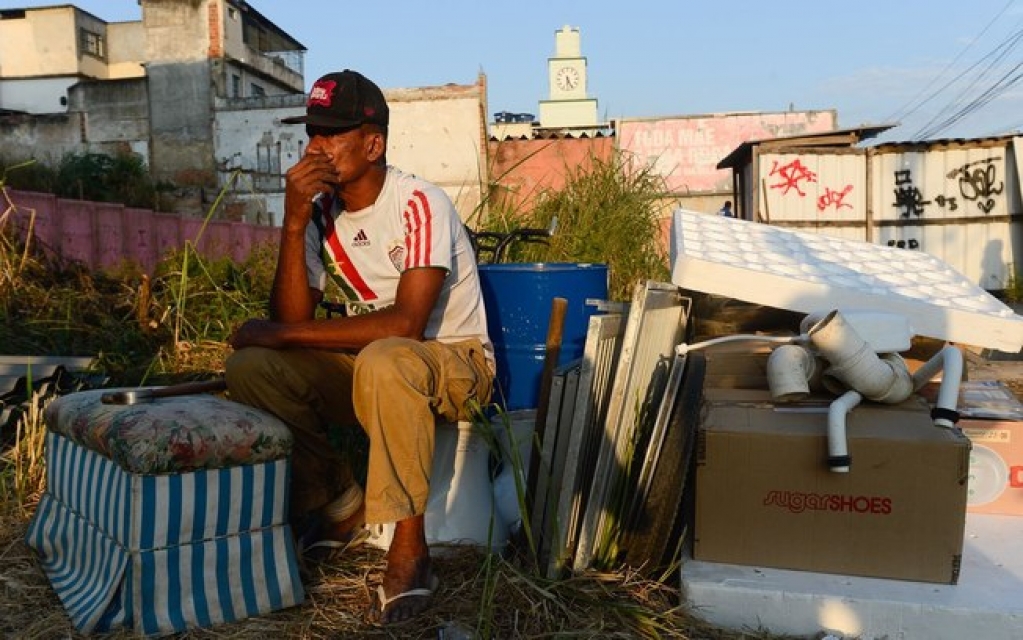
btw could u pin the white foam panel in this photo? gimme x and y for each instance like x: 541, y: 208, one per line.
x: 807, y: 272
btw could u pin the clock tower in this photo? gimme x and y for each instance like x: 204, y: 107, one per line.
x: 568, y: 106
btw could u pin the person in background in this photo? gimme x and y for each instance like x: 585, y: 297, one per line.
x: 726, y: 210
x: 411, y: 347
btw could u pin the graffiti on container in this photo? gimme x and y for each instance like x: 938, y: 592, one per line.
x: 949, y: 202
x: 791, y: 175
x: 907, y: 195
x: 977, y: 182
x: 834, y: 198
x: 912, y: 243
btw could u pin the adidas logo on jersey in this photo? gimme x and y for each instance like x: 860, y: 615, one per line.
x: 360, y: 239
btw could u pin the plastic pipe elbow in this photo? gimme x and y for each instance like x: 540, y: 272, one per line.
x: 854, y: 363
x: 789, y: 370
x: 950, y: 359
x: 838, y: 449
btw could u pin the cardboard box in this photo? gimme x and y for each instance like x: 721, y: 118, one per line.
x: 765, y: 497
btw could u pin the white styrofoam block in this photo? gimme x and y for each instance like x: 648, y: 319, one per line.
x: 808, y: 272
x: 984, y: 604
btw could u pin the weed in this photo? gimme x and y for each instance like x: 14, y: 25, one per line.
x: 608, y: 212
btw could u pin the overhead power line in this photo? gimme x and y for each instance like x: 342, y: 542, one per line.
x: 1003, y: 84
x: 910, y: 108
x: 962, y: 105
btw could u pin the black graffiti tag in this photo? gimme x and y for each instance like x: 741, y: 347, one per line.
x: 912, y: 243
x: 944, y: 201
x: 907, y: 196
x: 977, y: 183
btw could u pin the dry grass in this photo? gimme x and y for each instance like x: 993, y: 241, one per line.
x: 481, y: 595
x: 610, y: 605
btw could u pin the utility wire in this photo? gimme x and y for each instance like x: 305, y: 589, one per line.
x: 909, y: 109
x: 993, y: 58
x: 941, y: 120
x: 1006, y: 82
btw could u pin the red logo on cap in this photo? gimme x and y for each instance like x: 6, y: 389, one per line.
x: 321, y: 92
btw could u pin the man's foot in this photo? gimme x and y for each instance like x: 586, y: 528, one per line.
x: 396, y: 603
x: 409, y: 581
x: 337, y: 526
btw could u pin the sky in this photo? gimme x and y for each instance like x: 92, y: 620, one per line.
x: 937, y: 68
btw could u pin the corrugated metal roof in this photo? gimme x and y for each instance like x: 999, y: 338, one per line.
x: 927, y: 145
x: 839, y: 137
x: 557, y: 134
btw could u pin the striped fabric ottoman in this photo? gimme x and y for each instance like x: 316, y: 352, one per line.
x: 164, y: 516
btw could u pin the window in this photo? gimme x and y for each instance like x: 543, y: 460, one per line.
x: 92, y: 43
x: 236, y: 85
x: 268, y: 169
x: 232, y: 13
x: 256, y: 91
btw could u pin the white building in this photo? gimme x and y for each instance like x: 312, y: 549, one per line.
x: 197, y: 89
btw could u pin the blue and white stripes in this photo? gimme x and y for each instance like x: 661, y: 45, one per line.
x: 163, y: 553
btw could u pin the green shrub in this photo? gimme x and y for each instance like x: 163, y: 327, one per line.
x: 122, y: 178
x: 608, y: 212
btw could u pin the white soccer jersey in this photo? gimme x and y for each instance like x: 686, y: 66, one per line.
x: 412, y: 224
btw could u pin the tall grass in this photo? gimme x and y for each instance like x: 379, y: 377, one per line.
x: 173, y: 323
x: 608, y: 212
x: 22, y: 466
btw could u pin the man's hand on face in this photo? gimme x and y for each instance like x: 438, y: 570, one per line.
x: 312, y: 175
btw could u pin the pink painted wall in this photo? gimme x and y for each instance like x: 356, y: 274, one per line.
x: 686, y: 150
x: 102, y: 235
x: 524, y: 169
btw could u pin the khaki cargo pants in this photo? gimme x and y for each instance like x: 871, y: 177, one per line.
x: 395, y: 388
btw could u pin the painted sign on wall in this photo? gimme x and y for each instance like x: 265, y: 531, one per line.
x: 686, y: 150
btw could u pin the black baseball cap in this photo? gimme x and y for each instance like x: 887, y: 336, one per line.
x: 343, y: 100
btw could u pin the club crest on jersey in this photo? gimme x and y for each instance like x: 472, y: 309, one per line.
x: 397, y: 256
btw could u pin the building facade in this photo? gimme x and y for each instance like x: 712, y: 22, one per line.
x: 71, y: 82
x: 197, y: 90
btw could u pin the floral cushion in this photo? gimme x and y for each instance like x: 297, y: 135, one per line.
x: 170, y: 435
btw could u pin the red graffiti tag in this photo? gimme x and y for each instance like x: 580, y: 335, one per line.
x: 834, y: 198
x: 791, y: 175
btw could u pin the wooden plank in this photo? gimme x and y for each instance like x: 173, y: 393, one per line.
x: 558, y: 453
x: 546, y: 455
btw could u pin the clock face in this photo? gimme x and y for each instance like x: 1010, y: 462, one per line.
x: 567, y: 78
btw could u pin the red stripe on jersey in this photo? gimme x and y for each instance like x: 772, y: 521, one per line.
x: 418, y: 230
x: 348, y: 270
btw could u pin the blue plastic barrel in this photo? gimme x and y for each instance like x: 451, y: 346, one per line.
x: 518, y: 299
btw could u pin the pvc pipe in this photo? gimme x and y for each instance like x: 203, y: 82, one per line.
x: 838, y: 448
x: 949, y: 360
x: 683, y: 349
x: 884, y: 331
x: 789, y: 370
x: 853, y: 362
